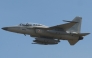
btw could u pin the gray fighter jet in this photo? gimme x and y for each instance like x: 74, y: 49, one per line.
x: 45, y: 35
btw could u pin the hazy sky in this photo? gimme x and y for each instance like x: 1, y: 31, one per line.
x: 47, y: 12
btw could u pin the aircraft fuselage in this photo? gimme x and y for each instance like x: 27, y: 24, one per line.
x: 33, y: 32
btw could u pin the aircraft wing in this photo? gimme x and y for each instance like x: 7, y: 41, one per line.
x: 64, y: 26
x: 73, y: 41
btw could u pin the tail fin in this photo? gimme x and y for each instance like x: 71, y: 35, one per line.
x: 77, y: 26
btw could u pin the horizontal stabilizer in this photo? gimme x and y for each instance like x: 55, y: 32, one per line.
x: 73, y: 41
x: 82, y: 34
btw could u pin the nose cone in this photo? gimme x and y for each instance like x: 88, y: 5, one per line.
x: 5, y: 28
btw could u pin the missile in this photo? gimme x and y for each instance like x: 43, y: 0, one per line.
x: 69, y: 21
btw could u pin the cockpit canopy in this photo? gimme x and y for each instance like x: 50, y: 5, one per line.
x: 27, y: 24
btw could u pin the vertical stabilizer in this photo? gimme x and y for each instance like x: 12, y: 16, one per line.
x: 77, y: 26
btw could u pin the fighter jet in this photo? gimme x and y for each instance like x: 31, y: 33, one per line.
x: 50, y: 35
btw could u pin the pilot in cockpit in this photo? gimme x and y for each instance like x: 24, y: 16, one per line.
x: 27, y: 24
